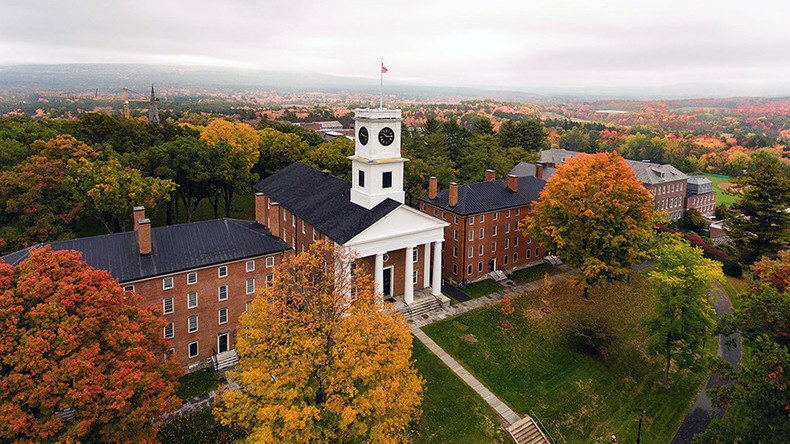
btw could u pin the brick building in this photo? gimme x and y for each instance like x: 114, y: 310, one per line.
x: 200, y: 275
x: 482, y: 233
x: 673, y: 191
x: 400, y: 246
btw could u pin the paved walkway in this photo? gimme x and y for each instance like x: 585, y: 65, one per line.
x: 699, y: 416
x: 500, y: 407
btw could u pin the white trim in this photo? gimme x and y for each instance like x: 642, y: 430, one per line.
x: 219, y: 315
x: 192, y: 273
x: 219, y: 293
x: 220, y: 335
x: 391, y: 268
x: 189, y: 302
x: 189, y: 349
x: 249, y: 266
x: 219, y: 272
x: 172, y: 283
x: 172, y: 306
x: 197, y: 324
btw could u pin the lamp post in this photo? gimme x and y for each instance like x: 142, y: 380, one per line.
x: 639, y: 430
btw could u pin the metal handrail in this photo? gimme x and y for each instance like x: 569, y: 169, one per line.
x: 542, y: 427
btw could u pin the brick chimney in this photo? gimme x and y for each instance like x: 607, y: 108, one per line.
x: 137, y: 214
x: 144, y: 236
x: 539, y: 170
x: 490, y: 175
x: 260, y: 208
x: 274, y: 218
x: 452, y: 198
x: 512, y: 183
x: 433, y: 187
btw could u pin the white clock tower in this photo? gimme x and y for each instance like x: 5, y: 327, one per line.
x: 377, y: 165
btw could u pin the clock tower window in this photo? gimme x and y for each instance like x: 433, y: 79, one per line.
x: 362, y: 179
x: 386, y: 179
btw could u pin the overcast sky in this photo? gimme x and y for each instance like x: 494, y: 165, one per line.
x: 515, y: 44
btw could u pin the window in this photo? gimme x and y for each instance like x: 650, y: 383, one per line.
x: 246, y: 307
x: 302, y: 227
x: 192, y: 299
x: 270, y: 262
x: 507, y: 244
x: 455, y: 219
x: 507, y: 227
x: 515, y: 257
x: 167, y: 305
x: 482, y: 217
x: 361, y: 177
x: 482, y: 233
x: 285, y: 215
x: 128, y: 288
x: 529, y: 240
x: 386, y: 257
x: 222, y: 292
x: 414, y: 255
x: 435, y: 211
x: 444, y: 215
x: 293, y: 220
x: 223, y: 316
x: 469, y: 269
x: 250, y: 266
x: 528, y: 252
x: 193, y: 349
x: 480, y: 250
x: 471, y: 251
x: 315, y: 237
x: 269, y: 279
x: 455, y: 234
x: 471, y: 235
x: 515, y: 241
x: 506, y: 257
x: 493, y: 231
x: 493, y: 247
x: 480, y: 266
x: 222, y: 272
x: 495, y: 216
x: 386, y: 179
x: 192, y: 278
x: 471, y: 220
x: 167, y: 283
x: 192, y: 324
x: 537, y: 251
x: 168, y: 331
x: 507, y: 213
x: 250, y: 285
x: 455, y: 269
x: 518, y: 211
x: 455, y: 251
x: 413, y: 277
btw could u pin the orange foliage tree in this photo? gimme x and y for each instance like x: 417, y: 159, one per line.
x: 72, y: 341
x: 321, y: 358
x: 596, y: 216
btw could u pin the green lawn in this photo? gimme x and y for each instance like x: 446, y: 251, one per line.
x: 536, y: 368
x: 196, y: 428
x: 533, y: 273
x: 452, y: 411
x: 482, y: 288
x: 723, y: 197
x: 197, y: 383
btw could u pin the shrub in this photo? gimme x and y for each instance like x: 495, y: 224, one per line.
x: 593, y: 337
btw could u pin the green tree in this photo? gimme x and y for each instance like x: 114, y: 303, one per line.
x: 576, y: 139
x: 692, y: 220
x: 531, y: 135
x: 483, y: 152
x: 483, y: 125
x: 231, y: 174
x: 760, y: 222
x: 417, y: 173
x: 683, y: 318
x: 278, y: 150
x: 643, y: 147
x: 333, y: 156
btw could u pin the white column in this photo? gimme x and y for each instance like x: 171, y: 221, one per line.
x: 426, y: 268
x: 378, y: 275
x: 436, y: 287
x: 408, y: 276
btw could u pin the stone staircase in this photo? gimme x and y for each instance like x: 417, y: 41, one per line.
x: 421, y: 307
x: 527, y: 431
x: 225, y: 360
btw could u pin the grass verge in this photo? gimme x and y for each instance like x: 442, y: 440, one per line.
x: 533, y: 273
x: 482, y: 288
x: 197, y: 383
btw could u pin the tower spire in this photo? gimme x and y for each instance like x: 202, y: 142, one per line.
x: 153, y: 112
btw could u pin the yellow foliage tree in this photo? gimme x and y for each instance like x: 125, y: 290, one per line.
x: 321, y: 358
x: 236, y: 134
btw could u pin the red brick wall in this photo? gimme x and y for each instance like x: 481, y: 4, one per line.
x: 704, y: 203
x: 516, y: 254
x: 208, y: 305
x: 669, y: 197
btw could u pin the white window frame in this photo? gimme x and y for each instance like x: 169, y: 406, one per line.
x: 507, y: 213
x: 164, y: 306
x: 270, y: 262
x: 189, y: 301
x: 480, y: 267
x: 189, y: 324
x: 129, y: 287
x: 247, y: 286
x: 455, y: 251
x: 190, y: 275
x: 482, y: 218
x: 482, y: 233
x: 494, y: 217
x: 480, y: 250
x: 165, y: 280
x: 219, y: 293
x: 507, y: 244
x: 219, y: 315
x: 249, y: 266
x: 471, y: 252
x: 515, y: 241
x: 455, y: 234
x: 414, y: 277
x: 493, y: 247
x: 303, y: 231
x: 220, y: 270
x: 414, y: 255
x: 518, y: 211
x: 172, y: 328
x: 494, y: 230
x: 471, y: 235
x: 189, y: 349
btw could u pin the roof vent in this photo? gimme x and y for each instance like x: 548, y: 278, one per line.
x: 325, y: 172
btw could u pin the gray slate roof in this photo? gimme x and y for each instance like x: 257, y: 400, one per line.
x: 322, y: 200
x: 175, y: 248
x: 699, y: 180
x: 481, y: 197
x: 556, y: 155
x: 523, y: 169
x: 654, y: 173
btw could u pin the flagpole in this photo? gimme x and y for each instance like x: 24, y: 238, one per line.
x: 381, y: 84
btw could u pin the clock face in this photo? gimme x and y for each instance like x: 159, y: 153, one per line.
x: 363, y: 136
x: 386, y: 136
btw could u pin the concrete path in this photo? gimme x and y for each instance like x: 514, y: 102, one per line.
x: 729, y: 348
x: 500, y: 407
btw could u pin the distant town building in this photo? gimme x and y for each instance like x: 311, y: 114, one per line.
x: 673, y: 191
x: 328, y: 129
x: 482, y: 234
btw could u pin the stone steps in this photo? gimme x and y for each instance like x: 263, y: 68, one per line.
x: 526, y: 431
x: 225, y: 360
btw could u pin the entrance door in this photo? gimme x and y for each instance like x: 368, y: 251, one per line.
x: 222, y: 342
x: 492, y: 265
x: 387, y: 282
